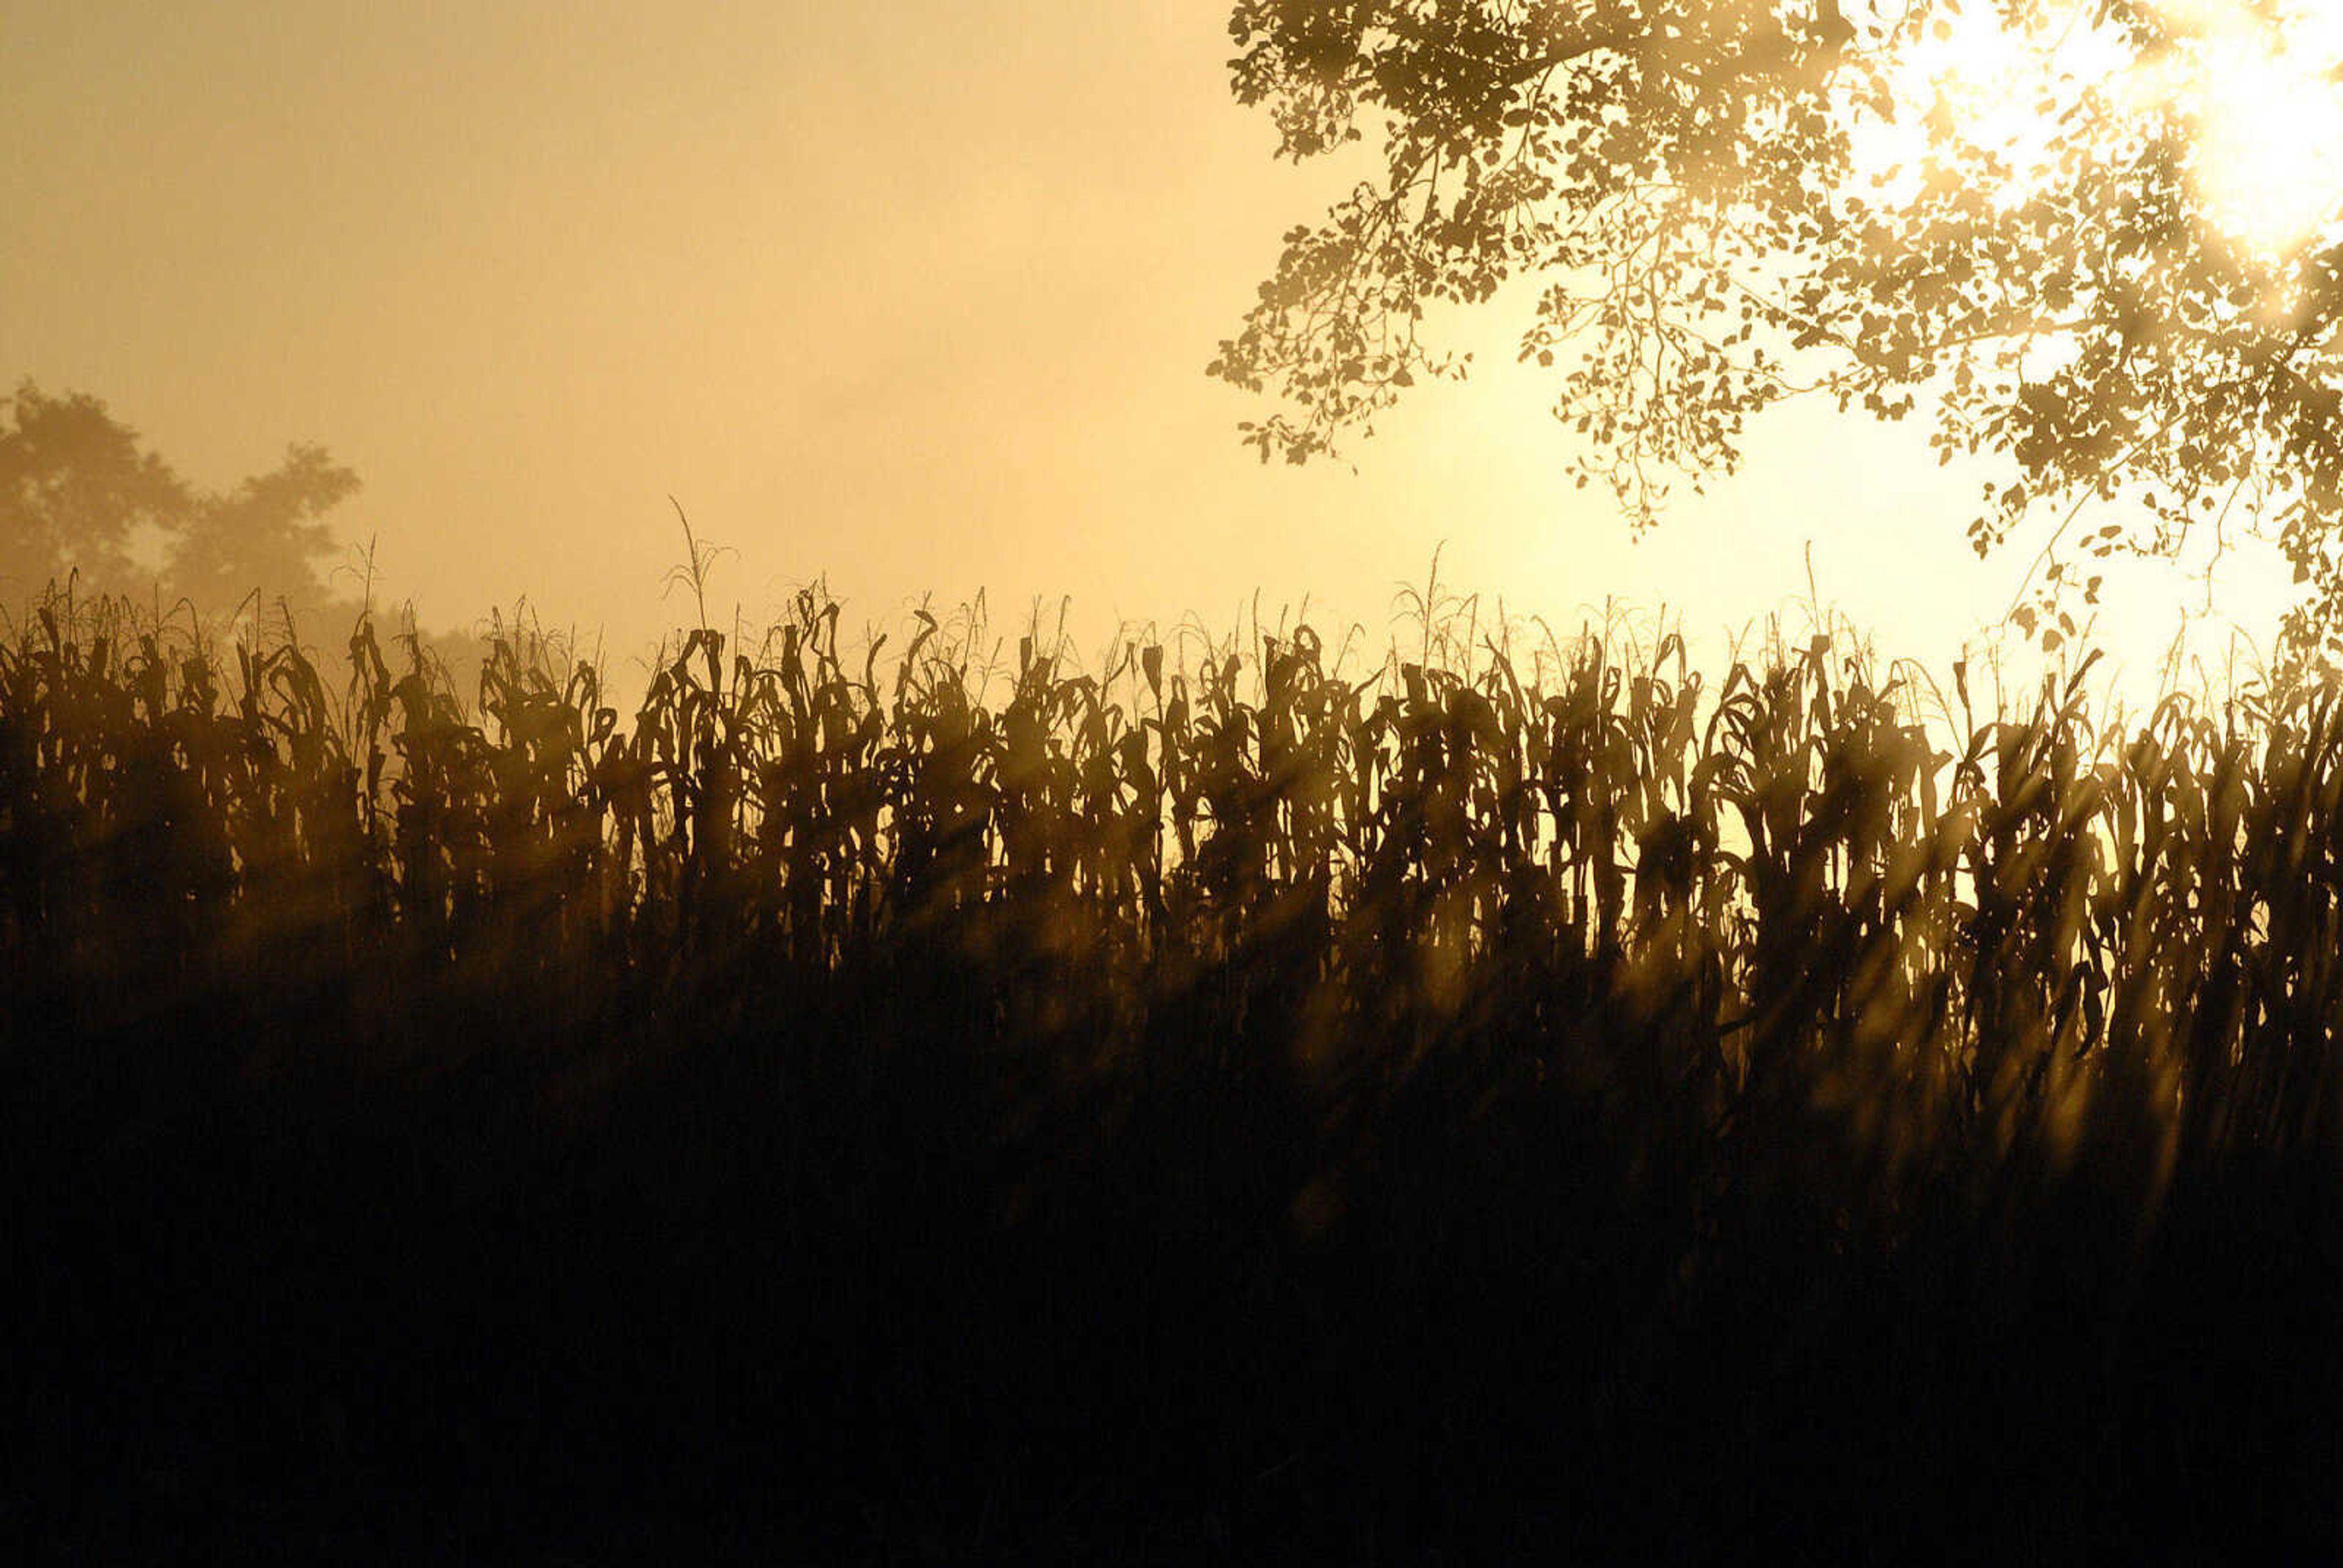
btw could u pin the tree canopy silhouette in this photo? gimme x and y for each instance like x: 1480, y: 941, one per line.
x: 75, y: 489
x: 1726, y: 202
x: 79, y: 492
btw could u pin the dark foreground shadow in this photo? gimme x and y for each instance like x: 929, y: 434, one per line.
x: 1270, y: 1127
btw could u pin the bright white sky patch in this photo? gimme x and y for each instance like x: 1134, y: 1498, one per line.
x: 2259, y: 83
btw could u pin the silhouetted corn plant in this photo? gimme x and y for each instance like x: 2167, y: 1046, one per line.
x: 1766, y: 925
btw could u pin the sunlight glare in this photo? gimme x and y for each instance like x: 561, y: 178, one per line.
x: 2259, y: 83
x: 2257, y: 88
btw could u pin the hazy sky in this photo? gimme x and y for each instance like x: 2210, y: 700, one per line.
x: 918, y: 295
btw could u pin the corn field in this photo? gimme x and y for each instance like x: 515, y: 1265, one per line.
x: 931, y: 1075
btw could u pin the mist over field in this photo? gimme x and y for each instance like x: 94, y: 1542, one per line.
x: 795, y: 783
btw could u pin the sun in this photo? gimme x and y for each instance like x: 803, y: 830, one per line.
x: 2255, y: 89
x: 2259, y: 85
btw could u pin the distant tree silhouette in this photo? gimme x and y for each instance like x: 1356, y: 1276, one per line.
x: 266, y: 533
x: 77, y: 487
x: 1687, y: 181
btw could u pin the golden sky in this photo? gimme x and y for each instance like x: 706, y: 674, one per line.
x: 918, y: 296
